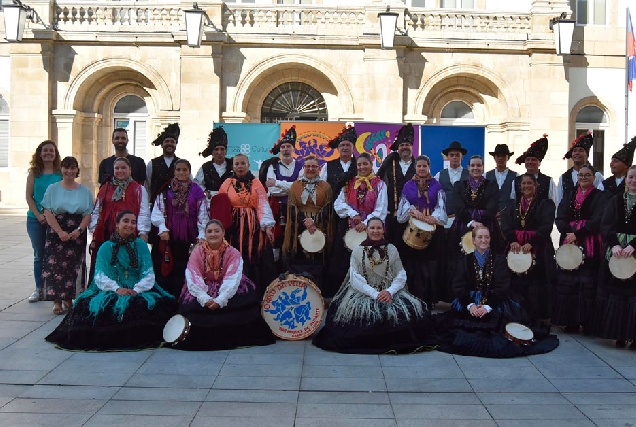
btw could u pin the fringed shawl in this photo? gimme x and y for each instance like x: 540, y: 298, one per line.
x: 183, y: 224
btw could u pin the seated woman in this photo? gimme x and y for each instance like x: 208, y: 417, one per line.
x: 483, y: 307
x: 373, y: 313
x: 220, y: 302
x: 123, y: 308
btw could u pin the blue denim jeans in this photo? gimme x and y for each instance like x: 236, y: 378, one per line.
x: 37, y: 234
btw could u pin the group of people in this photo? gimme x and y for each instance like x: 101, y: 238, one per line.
x: 220, y: 239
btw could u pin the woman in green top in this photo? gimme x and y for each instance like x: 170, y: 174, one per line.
x: 67, y: 206
x: 44, y: 171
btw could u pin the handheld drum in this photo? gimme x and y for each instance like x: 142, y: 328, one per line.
x: 176, y: 330
x: 353, y: 238
x: 622, y: 268
x: 418, y: 234
x: 293, y: 307
x: 467, y: 245
x: 312, y: 243
x: 518, y: 334
x: 569, y: 257
x: 520, y: 263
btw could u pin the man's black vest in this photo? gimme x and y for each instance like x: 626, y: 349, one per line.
x: 568, y: 184
x: 610, y: 186
x: 161, y: 174
x: 335, y: 171
x: 447, y: 186
x: 211, y: 177
x: 543, y: 191
x: 506, y: 188
x: 395, y: 181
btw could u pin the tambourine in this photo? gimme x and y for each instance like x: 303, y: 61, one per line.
x: 467, y: 245
x: 520, y: 263
x: 569, y: 257
x: 312, y: 243
x: 418, y: 234
x: 353, y: 238
x: 293, y: 307
x: 176, y: 329
x: 518, y: 334
x: 622, y: 268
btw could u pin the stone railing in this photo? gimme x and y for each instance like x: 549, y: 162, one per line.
x: 105, y: 15
x: 469, y: 22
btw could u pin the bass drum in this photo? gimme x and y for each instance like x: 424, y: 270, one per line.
x: 293, y: 307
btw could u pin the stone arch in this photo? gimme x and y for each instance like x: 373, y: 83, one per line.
x: 85, y: 88
x: 481, y: 86
x: 271, y: 72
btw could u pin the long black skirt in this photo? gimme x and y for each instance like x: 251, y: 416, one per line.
x: 615, y: 308
x: 139, y: 328
x: 339, y: 261
x: 238, y: 324
x: 575, y: 296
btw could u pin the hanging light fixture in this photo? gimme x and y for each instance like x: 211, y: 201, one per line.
x: 194, y: 25
x: 563, y: 31
x: 388, y: 23
x: 15, y: 16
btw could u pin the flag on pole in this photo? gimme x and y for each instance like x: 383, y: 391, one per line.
x: 631, y: 52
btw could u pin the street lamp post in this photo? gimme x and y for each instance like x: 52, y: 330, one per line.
x: 388, y: 23
x: 15, y: 16
x: 563, y: 31
x: 194, y: 25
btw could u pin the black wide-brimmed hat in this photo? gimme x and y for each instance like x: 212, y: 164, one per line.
x: 171, y: 131
x: 584, y: 141
x: 348, y: 134
x: 538, y: 149
x: 501, y: 150
x: 455, y: 146
x: 216, y: 138
x: 288, y: 137
x: 626, y: 154
x: 405, y: 134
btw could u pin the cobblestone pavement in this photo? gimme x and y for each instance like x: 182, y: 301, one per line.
x: 584, y: 382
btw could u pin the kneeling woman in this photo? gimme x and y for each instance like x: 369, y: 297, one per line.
x: 483, y: 307
x: 373, y: 313
x: 220, y: 302
x: 123, y: 308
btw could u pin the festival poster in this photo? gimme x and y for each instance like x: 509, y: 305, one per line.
x: 312, y: 138
x: 376, y: 138
x: 435, y: 138
x: 252, y: 139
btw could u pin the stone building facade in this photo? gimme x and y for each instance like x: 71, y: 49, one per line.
x: 84, y: 67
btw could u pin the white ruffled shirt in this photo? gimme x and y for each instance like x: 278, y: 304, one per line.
x: 344, y: 210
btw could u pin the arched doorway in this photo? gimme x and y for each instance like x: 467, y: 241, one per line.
x: 131, y: 113
x: 293, y: 101
x: 593, y: 118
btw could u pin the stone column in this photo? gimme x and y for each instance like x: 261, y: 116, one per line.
x: 384, y: 87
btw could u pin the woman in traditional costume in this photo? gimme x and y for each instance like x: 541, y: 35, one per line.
x: 180, y: 213
x: 373, y: 313
x: 578, y: 220
x: 424, y: 199
x: 220, y: 302
x: 483, y: 306
x: 67, y: 207
x: 527, y: 224
x: 123, y: 308
x: 362, y: 197
x: 44, y: 171
x: 615, y: 316
x: 309, y: 208
x: 251, y: 222
x: 118, y: 193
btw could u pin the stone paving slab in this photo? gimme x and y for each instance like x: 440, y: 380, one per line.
x: 585, y: 382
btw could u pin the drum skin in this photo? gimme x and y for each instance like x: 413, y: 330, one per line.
x: 518, y: 334
x: 622, y: 268
x: 353, y: 238
x: 520, y: 263
x: 467, y: 245
x: 312, y: 243
x: 176, y: 329
x: 569, y: 257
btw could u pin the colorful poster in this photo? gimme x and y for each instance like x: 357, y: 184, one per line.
x: 377, y: 138
x: 252, y: 139
x: 313, y: 137
x: 435, y: 138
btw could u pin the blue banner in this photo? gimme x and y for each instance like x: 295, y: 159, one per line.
x: 252, y: 139
x: 435, y: 138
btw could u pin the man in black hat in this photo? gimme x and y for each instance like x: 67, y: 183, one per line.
x: 160, y: 170
x: 395, y: 171
x: 447, y: 177
x: 619, y: 165
x: 532, y: 159
x: 502, y: 175
x: 137, y: 164
x: 213, y: 173
x: 579, y: 153
x: 333, y: 170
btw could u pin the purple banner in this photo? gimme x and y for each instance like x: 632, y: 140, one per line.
x: 376, y: 138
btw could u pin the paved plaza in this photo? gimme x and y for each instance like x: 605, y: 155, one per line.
x: 585, y: 382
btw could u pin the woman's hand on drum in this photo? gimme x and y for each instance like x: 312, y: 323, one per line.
x: 384, y: 296
x: 416, y: 214
x: 270, y: 234
x: 356, y: 220
x: 361, y: 227
x: 526, y: 248
x: 429, y: 220
x: 570, y: 238
x: 164, y: 235
x: 310, y: 225
x: 628, y: 251
x: 515, y: 247
x: 476, y: 224
x: 212, y: 305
